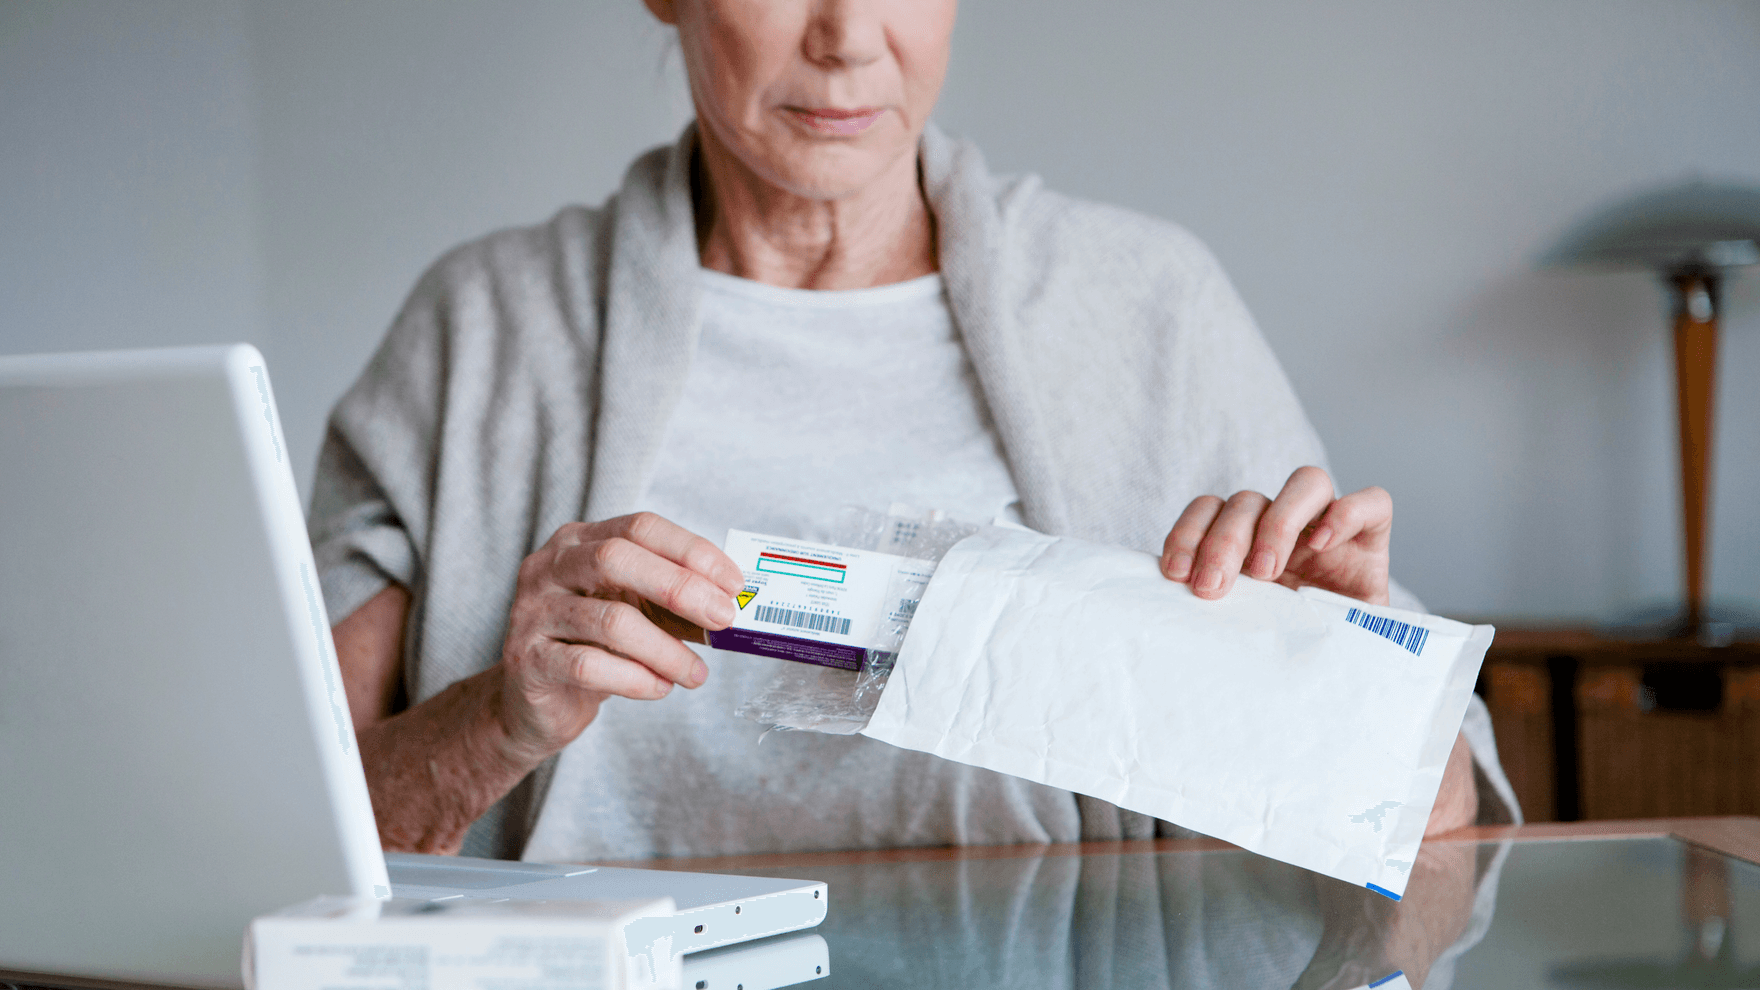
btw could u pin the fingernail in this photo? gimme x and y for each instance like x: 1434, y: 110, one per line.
x: 1264, y: 562
x: 722, y: 612
x: 1179, y: 566
x: 1210, y: 578
x: 699, y: 673
x: 1322, y: 536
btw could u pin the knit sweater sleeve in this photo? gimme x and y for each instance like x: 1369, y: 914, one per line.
x: 374, y: 482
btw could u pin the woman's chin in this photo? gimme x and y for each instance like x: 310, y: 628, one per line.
x: 831, y: 169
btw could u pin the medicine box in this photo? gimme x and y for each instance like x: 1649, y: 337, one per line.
x: 332, y: 943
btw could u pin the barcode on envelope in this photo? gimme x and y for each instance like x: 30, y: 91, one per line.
x: 1402, y: 633
x: 802, y: 620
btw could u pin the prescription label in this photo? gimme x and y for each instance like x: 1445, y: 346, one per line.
x: 817, y: 603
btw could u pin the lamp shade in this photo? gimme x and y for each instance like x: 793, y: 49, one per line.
x: 1695, y: 227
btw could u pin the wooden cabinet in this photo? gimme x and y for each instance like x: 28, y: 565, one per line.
x: 1591, y: 727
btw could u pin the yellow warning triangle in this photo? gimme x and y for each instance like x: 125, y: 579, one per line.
x: 746, y: 596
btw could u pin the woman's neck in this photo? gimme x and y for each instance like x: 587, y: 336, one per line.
x: 878, y: 235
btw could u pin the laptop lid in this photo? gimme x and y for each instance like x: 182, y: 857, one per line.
x: 181, y: 756
x: 178, y: 750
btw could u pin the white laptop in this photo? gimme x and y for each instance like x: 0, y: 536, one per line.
x: 176, y: 752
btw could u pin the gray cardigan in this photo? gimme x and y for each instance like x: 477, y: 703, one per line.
x: 528, y: 379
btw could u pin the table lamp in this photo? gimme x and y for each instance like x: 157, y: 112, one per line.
x: 1692, y: 236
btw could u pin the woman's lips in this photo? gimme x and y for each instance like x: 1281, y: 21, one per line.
x: 830, y: 120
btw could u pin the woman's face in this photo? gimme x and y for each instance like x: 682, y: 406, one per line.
x: 816, y: 97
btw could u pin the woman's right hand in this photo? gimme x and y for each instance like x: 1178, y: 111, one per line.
x: 579, y: 630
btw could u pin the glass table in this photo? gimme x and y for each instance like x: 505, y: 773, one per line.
x: 1663, y: 903
x: 1600, y: 905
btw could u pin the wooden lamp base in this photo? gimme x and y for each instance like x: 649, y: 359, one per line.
x: 1695, y: 368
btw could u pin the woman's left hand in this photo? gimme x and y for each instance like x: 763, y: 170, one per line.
x: 1303, y: 537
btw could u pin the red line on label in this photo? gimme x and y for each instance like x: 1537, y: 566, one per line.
x: 804, y: 560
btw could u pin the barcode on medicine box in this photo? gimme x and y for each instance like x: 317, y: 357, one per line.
x: 1402, y: 633
x: 802, y: 620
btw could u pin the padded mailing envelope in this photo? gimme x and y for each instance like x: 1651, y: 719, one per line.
x: 1301, y: 725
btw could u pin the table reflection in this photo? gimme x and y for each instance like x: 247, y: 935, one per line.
x: 1708, y: 957
x: 1218, y: 919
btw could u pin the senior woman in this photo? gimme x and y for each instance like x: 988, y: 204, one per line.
x: 814, y: 299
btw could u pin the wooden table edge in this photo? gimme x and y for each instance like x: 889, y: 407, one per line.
x: 33, y: 980
x: 1736, y: 837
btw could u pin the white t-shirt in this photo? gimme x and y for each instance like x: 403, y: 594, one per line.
x: 799, y: 404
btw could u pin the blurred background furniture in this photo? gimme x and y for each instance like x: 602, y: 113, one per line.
x: 1591, y: 726
x: 1658, y: 714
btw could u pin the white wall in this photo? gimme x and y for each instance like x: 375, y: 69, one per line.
x: 393, y: 130
x: 128, y: 191
x: 1378, y: 178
